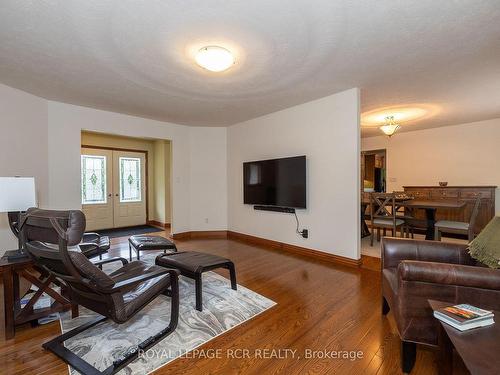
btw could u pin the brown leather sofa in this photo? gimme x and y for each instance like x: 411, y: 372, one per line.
x: 414, y: 271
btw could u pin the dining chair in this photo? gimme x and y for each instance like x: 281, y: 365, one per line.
x: 383, y: 215
x: 407, y: 214
x: 458, y: 227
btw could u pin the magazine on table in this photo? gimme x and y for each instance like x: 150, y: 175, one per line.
x: 464, y: 317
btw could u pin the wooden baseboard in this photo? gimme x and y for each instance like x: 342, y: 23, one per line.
x: 181, y: 236
x: 209, y: 234
x: 281, y: 246
x: 158, y: 224
x: 371, y: 263
x: 275, y: 245
x: 200, y: 234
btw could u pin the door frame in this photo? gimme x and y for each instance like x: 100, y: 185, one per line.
x: 145, y: 152
x: 373, y: 152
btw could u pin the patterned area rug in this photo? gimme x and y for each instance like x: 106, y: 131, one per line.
x: 223, y: 309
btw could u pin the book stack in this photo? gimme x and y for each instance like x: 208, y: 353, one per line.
x: 464, y: 317
x: 45, y: 301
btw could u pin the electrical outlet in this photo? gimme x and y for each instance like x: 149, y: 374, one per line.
x: 305, y: 233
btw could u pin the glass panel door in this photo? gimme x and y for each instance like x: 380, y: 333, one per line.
x: 96, y: 188
x: 130, y: 179
x: 113, y: 188
x: 129, y: 176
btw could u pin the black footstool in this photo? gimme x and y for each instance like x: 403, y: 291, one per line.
x: 140, y: 243
x: 192, y: 264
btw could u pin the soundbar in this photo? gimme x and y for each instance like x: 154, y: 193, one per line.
x: 288, y: 210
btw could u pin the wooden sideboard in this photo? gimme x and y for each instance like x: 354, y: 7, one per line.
x: 467, y: 194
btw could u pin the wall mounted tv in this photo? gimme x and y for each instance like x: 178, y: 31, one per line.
x: 275, y: 182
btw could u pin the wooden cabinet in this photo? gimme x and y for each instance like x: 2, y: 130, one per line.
x: 467, y: 194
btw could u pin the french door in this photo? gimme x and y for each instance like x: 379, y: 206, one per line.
x: 113, y: 188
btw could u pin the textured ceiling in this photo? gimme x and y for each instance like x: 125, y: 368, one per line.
x: 135, y: 57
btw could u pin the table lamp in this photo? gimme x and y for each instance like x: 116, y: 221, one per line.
x: 17, y: 194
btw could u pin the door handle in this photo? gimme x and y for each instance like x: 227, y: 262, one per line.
x: 116, y: 194
x: 110, y: 195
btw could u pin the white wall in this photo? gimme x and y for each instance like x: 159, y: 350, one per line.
x: 23, y: 147
x: 327, y: 132
x: 42, y: 138
x: 465, y: 154
x: 65, y: 124
x: 208, y: 176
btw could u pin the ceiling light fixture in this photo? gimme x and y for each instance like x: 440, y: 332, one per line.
x: 390, y: 126
x: 409, y: 114
x: 214, y: 58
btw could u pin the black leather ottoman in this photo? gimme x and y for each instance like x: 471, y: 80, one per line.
x: 93, y: 244
x: 140, y: 243
x: 192, y: 264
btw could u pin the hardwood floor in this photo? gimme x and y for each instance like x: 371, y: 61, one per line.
x: 320, y: 306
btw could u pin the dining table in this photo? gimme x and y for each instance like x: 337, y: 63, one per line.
x: 430, y: 207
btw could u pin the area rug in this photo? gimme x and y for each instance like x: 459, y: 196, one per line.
x: 223, y: 309
x: 129, y: 231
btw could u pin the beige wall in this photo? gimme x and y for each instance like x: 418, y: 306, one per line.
x: 465, y: 154
x: 161, y: 152
x: 157, y: 180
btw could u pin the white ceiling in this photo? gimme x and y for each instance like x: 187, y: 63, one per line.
x: 134, y: 56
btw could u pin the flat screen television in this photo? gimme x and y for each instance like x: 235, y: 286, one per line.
x: 275, y: 182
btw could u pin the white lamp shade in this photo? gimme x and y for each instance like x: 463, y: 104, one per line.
x: 17, y: 193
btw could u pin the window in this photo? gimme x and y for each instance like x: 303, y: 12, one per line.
x: 130, y: 179
x: 93, y: 179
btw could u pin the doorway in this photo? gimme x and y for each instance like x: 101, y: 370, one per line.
x: 373, y: 171
x: 113, y: 187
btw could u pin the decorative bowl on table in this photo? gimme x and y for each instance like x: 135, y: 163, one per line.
x: 402, y: 196
x: 443, y: 183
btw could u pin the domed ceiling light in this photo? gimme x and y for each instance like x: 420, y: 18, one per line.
x: 214, y: 58
x: 390, y: 126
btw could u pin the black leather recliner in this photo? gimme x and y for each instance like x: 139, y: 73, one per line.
x: 93, y: 245
x: 117, y: 296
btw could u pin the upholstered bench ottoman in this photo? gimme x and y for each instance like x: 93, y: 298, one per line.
x: 192, y: 264
x: 141, y: 243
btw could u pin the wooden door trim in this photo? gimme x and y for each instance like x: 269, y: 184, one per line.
x: 362, y: 166
x: 145, y: 152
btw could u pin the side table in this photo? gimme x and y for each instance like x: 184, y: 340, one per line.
x: 479, y: 348
x: 12, y: 271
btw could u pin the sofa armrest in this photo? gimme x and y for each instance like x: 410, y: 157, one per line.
x: 395, y: 250
x: 449, y: 274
